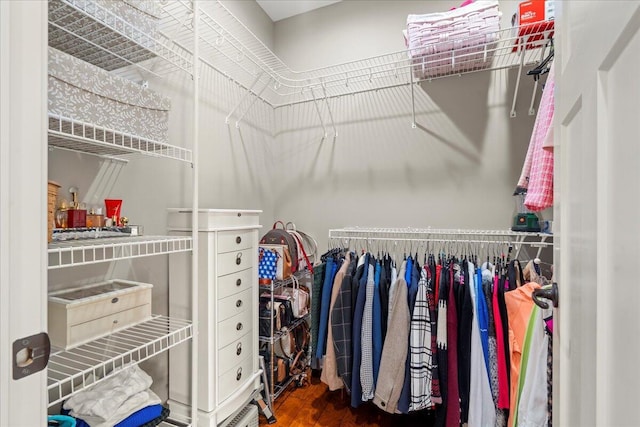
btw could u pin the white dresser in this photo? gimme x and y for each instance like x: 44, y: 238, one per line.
x: 228, y: 366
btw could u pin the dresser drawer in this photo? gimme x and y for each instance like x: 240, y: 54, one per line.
x: 235, y: 240
x: 234, y: 378
x: 105, y: 325
x: 235, y: 327
x: 235, y: 304
x: 212, y: 219
x: 235, y: 353
x: 232, y: 262
x: 237, y: 282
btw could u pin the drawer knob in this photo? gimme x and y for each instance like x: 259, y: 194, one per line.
x: 239, y: 326
x: 115, y: 322
x: 238, y: 282
x: 239, y: 348
x: 238, y: 240
x: 114, y: 300
x: 239, y: 374
x: 239, y: 258
x: 239, y: 303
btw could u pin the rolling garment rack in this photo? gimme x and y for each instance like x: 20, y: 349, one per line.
x: 275, y: 390
x: 483, y: 243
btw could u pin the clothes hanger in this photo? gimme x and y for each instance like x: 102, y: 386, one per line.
x: 542, y: 68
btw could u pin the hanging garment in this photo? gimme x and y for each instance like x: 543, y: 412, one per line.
x: 503, y: 381
x: 356, y: 334
x: 487, y: 289
x: 316, y: 293
x: 453, y: 392
x: 465, y: 325
x: 366, y: 334
x: 385, y: 278
x: 329, y: 374
x: 481, y: 409
x: 540, y: 189
x: 394, y: 282
x: 519, y: 307
x: 405, y: 396
x: 341, y: 317
x: 394, y: 351
x: 443, y: 373
x: 325, y: 302
x: 483, y: 321
x: 420, y: 347
x: 502, y: 306
x: 436, y: 394
x: 532, y: 385
x: 376, y: 328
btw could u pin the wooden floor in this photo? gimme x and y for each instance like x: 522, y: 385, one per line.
x: 315, y: 405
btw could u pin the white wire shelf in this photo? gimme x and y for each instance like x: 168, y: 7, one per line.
x: 84, y: 252
x: 93, y: 33
x: 73, y: 370
x: 89, y: 138
x: 232, y: 49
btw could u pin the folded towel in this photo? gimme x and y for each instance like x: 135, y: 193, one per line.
x: 148, y: 417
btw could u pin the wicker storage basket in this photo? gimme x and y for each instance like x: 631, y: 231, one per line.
x: 52, y: 196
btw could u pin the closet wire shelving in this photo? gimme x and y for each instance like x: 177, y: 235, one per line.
x: 277, y: 389
x: 70, y: 371
x: 93, y: 33
x: 230, y: 48
x: 89, y: 138
x: 85, y: 252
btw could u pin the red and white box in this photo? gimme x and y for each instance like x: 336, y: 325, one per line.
x: 535, y: 22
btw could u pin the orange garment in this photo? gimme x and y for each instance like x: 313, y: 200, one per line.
x: 519, y: 307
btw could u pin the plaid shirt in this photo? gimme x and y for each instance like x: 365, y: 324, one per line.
x: 341, y: 316
x: 420, y: 348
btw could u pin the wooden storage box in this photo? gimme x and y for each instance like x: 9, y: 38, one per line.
x: 85, y: 93
x: 83, y: 314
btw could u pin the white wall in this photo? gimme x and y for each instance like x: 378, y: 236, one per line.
x: 458, y: 169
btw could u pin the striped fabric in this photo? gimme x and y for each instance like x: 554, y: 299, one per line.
x: 366, y: 367
x: 420, y: 348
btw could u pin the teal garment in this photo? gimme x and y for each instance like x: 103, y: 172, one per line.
x: 61, y: 421
x: 377, y: 324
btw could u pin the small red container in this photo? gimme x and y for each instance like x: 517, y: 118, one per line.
x: 76, y: 218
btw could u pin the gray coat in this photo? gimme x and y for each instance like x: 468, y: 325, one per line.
x: 394, y: 352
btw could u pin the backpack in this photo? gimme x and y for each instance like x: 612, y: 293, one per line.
x: 280, y: 236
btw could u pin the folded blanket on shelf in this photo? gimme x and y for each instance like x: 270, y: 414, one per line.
x: 114, y: 399
x: 453, y: 41
x: 149, y: 416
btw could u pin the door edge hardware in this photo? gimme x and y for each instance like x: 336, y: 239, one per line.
x: 547, y: 293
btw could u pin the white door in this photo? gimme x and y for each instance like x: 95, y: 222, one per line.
x: 597, y: 128
x: 23, y: 228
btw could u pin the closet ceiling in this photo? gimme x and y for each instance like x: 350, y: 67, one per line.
x: 282, y: 9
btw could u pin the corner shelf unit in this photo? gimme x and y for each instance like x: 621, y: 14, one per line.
x: 70, y: 371
x: 91, y: 31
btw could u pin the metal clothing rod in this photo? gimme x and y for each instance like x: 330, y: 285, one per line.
x: 487, y: 241
x: 355, y: 231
